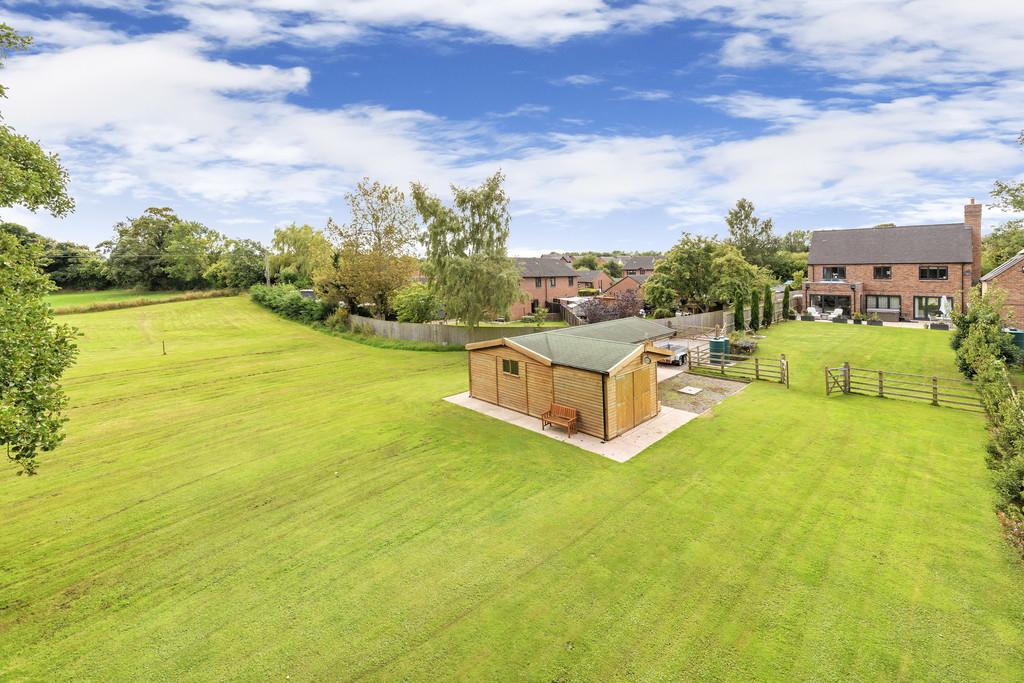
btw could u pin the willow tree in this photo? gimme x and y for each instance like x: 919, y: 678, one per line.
x: 467, y: 264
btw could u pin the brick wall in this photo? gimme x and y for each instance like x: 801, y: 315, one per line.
x: 1012, y: 284
x: 905, y: 283
x: 544, y: 294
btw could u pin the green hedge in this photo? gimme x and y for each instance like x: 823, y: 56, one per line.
x: 286, y: 301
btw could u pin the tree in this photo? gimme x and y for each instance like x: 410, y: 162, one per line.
x: 798, y: 241
x: 755, y: 317
x: 34, y: 353
x: 240, y: 264
x: 1010, y: 195
x: 753, y: 236
x: 738, y: 321
x: 585, y: 262
x: 735, y: 277
x: 979, y: 332
x: 785, y: 303
x: 688, y: 270
x: 29, y: 176
x: 467, y: 264
x: 624, y: 305
x: 1001, y: 244
x: 376, y: 247
x: 299, y: 251
x: 768, y: 308
x: 69, y: 265
x: 415, y: 303
x: 612, y: 268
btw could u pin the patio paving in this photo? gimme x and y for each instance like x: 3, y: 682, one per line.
x: 619, y: 449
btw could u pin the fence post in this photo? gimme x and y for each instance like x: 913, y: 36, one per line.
x: 784, y: 364
x: 881, y: 385
x: 828, y: 385
x: 757, y: 369
x: 846, y: 377
x: 935, y: 391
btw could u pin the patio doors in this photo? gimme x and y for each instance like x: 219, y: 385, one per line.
x: 826, y: 303
x: 926, y: 307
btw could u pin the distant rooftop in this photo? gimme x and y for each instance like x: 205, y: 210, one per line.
x: 544, y: 267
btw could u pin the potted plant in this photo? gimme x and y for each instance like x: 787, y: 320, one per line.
x: 841, y: 320
x: 858, y: 318
x: 874, y: 320
x: 939, y: 325
x: 807, y: 316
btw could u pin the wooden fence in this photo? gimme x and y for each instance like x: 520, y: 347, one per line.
x: 440, y: 334
x: 741, y: 367
x: 939, y: 391
x: 570, y: 318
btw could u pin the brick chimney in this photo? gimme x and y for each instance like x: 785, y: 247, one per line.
x: 972, y: 219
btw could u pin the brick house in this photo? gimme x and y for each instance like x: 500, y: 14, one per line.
x: 628, y: 283
x: 544, y: 280
x: 593, y: 279
x: 1009, y: 277
x: 637, y: 265
x: 898, y: 273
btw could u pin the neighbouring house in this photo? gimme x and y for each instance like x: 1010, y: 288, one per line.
x: 898, y: 273
x: 606, y: 371
x: 628, y: 283
x: 1009, y: 277
x: 544, y: 281
x: 593, y: 279
x: 637, y: 265
x: 562, y: 257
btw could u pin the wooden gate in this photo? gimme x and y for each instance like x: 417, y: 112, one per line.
x: 939, y: 391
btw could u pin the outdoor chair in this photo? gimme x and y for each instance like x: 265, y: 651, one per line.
x: 812, y: 311
x: 835, y: 314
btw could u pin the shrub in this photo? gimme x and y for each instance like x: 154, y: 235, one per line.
x: 536, y: 318
x: 337, y: 321
x: 741, y: 343
x: 286, y: 301
x: 739, y: 323
x: 662, y: 313
x: 769, y: 307
x: 785, y: 302
x: 415, y: 303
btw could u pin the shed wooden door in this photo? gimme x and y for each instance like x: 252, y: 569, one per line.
x: 483, y: 374
x: 634, y: 397
x: 624, y: 405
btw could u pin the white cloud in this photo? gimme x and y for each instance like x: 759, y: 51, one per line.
x: 578, y: 79
x: 747, y: 50
x: 653, y: 95
x: 750, y: 105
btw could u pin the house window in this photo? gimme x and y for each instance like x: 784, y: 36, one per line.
x: 933, y: 273
x: 926, y: 307
x: 510, y: 367
x: 833, y: 273
x: 631, y: 272
x: 571, y: 278
x: 552, y: 281
x: 883, y: 272
x: 536, y: 282
x: 886, y: 302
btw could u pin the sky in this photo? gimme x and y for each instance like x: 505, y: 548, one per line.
x: 618, y: 125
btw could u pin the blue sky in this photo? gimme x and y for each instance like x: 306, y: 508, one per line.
x: 618, y: 124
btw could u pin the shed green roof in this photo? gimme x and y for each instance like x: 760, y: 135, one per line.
x: 597, y: 355
x: 633, y: 330
x: 598, y: 347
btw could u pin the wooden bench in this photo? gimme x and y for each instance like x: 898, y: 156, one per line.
x: 560, y: 415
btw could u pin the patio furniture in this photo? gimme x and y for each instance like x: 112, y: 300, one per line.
x: 837, y: 313
x: 560, y: 415
x: 812, y: 311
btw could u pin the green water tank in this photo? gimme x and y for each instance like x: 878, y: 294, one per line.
x: 718, y: 346
x: 1018, y: 337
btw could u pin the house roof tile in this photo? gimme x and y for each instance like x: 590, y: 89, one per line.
x: 941, y: 243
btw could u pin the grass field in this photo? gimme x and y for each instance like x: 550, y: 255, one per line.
x: 62, y: 299
x: 268, y: 501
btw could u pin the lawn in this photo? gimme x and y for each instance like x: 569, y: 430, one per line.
x: 62, y: 299
x: 267, y: 501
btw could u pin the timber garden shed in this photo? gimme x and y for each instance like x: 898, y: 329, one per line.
x: 606, y: 371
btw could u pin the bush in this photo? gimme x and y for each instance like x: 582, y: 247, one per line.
x: 662, y: 313
x: 741, y: 343
x: 769, y: 307
x: 415, y: 303
x: 286, y: 301
x: 535, y: 318
x: 785, y: 302
x: 337, y: 321
x: 755, y: 314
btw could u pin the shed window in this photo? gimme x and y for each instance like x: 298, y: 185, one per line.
x: 833, y: 273
x: 510, y: 367
x: 933, y: 273
x: 883, y: 272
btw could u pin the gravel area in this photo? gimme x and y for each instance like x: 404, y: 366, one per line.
x: 714, y: 391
